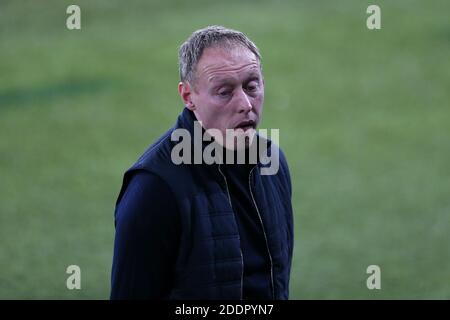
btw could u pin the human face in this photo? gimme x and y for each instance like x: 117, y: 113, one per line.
x: 228, y: 90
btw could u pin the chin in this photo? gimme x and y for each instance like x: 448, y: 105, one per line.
x: 241, y: 139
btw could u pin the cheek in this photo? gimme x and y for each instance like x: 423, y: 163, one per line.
x: 213, y: 113
x: 205, y: 106
x: 258, y: 102
x: 221, y: 115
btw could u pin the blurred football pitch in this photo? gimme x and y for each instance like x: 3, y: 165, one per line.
x: 364, y: 120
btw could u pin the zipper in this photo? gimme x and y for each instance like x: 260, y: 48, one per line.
x: 264, y: 232
x: 240, y: 250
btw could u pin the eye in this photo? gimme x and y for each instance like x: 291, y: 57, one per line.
x: 252, y: 86
x: 224, y: 93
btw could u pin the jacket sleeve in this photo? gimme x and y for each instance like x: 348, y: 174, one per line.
x: 290, y: 215
x: 146, y: 239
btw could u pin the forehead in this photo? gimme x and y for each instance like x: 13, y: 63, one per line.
x: 218, y: 63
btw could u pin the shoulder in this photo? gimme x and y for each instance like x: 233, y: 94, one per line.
x: 145, y: 173
x: 157, y: 153
x: 273, y: 159
x: 276, y: 168
x: 155, y: 169
x: 144, y: 192
x: 283, y: 163
x: 284, y: 170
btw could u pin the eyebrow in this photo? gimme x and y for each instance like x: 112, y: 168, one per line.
x: 230, y: 80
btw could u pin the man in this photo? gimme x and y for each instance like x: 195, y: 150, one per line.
x: 207, y: 230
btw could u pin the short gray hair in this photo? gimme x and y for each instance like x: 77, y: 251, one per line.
x: 211, y: 36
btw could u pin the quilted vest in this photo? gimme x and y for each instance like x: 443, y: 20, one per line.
x: 209, y: 261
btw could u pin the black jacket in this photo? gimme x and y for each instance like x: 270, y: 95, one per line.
x: 176, y: 233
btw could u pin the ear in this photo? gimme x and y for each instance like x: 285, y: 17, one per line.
x: 184, y: 89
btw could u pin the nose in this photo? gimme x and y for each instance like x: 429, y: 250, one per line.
x: 243, y: 102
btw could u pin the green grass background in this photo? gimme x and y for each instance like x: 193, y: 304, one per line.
x: 364, y: 120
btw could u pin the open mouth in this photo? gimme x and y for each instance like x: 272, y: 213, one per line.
x: 246, y: 125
